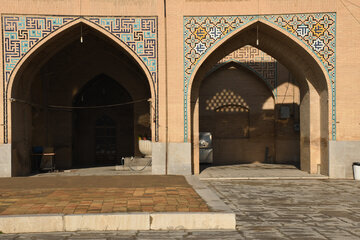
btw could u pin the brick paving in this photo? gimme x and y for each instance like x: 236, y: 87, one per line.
x: 151, y: 196
x: 271, y: 209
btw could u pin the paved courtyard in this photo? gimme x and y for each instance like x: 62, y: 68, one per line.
x: 293, y: 209
x: 255, y: 171
x: 266, y: 209
x: 98, y: 194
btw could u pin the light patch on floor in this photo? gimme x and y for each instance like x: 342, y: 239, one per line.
x: 256, y: 171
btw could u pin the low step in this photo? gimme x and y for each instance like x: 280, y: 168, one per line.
x: 117, y: 221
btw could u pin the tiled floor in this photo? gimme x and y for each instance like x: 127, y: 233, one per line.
x: 265, y: 209
x: 151, y: 195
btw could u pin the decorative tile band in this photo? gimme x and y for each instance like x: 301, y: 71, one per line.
x: 317, y: 31
x: 139, y: 33
x: 21, y: 33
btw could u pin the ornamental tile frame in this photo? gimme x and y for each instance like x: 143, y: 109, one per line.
x: 317, y: 32
x: 20, y: 33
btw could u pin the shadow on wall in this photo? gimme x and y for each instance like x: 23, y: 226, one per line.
x: 239, y: 109
x: 312, y: 86
x: 53, y: 76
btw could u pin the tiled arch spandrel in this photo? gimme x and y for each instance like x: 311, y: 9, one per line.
x: 317, y: 32
x: 20, y: 33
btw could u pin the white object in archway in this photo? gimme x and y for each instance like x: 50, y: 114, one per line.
x: 145, y: 147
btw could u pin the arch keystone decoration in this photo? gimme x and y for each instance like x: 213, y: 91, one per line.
x: 316, y: 32
x: 23, y: 33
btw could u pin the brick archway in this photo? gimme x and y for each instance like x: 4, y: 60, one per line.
x: 315, y: 76
x: 43, y: 50
x: 239, y: 64
x: 32, y: 33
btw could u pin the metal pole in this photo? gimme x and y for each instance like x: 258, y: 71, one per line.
x: 166, y: 95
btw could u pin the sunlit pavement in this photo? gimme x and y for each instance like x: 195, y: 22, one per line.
x: 266, y: 209
x: 98, y: 194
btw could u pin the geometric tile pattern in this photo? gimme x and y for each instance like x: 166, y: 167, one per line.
x: 257, y: 61
x: 316, y: 30
x: 139, y: 33
x: 21, y: 33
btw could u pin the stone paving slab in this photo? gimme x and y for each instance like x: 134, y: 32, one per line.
x: 293, y: 209
x: 116, y: 222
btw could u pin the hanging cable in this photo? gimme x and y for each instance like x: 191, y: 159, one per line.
x: 81, y: 34
x: 71, y: 107
x: 257, y: 34
x: 81, y: 30
x: 132, y: 168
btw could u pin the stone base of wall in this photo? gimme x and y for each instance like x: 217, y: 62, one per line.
x: 158, y: 158
x: 179, y: 158
x: 5, y: 160
x: 342, y: 154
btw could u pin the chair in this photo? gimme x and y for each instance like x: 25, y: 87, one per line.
x: 48, y: 159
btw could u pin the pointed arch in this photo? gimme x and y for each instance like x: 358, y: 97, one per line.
x: 102, y: 80
x: 220, y: 46
x: 56, y: 34
x: 315, y: 82
x: 239, y: 64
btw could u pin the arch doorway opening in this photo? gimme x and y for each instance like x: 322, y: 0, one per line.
x: 73, y: 96
x: 108, y: 131
x: 286, y: 122
x: 249, y: 103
